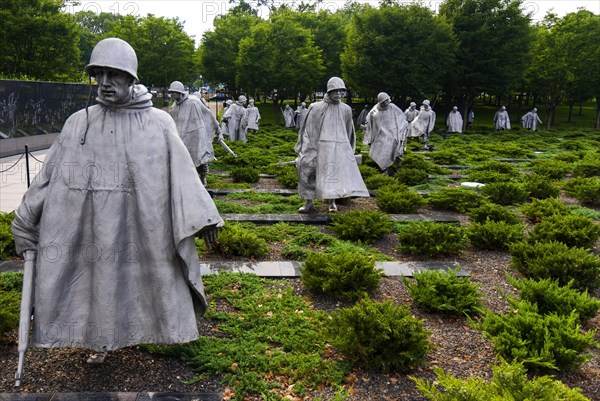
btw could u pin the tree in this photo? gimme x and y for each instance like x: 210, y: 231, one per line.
x: 219, y: 49
x: 93, y: 27
x: 494, y: 38
x: 38, y: 41
x: 281, y: 59
x: 403, y: 50
x: 165, y: 52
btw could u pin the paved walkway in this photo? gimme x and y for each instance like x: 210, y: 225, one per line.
x: 13, y: 178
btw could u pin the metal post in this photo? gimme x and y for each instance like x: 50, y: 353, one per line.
x: 27, y: 165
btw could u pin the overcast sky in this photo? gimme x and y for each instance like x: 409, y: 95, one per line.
x: 198, y: 15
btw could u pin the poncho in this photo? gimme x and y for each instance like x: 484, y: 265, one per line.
x: 113, y: 220
x: 288, y: 116
x: 326, y: 164
x: 301, y: 112
x: 531, y: 120
x: 386, y: 132
x: 411, y: 114
x: 196, y: 126
x: 423, y: 124
x: 235, y: 115
x: 253, y: 116
x: 454, y: 121
x: 501, y: 120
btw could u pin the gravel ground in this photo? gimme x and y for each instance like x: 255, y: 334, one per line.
x: 459, y: 349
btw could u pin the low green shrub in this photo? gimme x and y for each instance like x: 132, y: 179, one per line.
x: 571, y: 229
x: 314, y: 239
x: 7, y: 242
x: 244, y: 174
x: 586, y: 190
x: 493, y: 212
x: 411, y: 176
x: 500, y: 167
x: 551, y: 297
x: 432, y: 239
x: 238, y: 241
x: 495, y: 235
x: 398, y: 199
x: 540, y: 187
x: 380, y: 335
x: 11, y: 284
x: 294, y: 252
x: 585, y: 211
x: 553, y: 169
x: 488, y: 176
x: 540, y: 209
x: 455, y: 199
x: 361, y: 225
x: 441, y: 291
x: 379, y: 180
x: 555, y: 260
x: 448, y: 156
x: 509, y: 382
x: 589, y: 166
x: 349, y: 275
x: 505, y: 193
x: 368, y: 171
x: 287, y: 176
x: 540, y: 342
x: 416, y: 161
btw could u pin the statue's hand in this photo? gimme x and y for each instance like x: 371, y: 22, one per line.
x: 210, y: 235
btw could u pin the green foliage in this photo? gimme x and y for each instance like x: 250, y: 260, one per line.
x: 572, y: 230
x: 505, y: 193
x: 411, y: 176
x: 235, y: 240
x: 294, y: 252
x: 380, y: 180
x: 455, y: 199
x: 380, y: 335
x: 432, y: 239
x: 540, y: 342
x: 348, y: 275
x: 509, y: 382
x: 553, y: 169
x: 495, y: 235
x: 540, y: 187
x: 265, y: 203
x: 7, y: 243
x: 588, y: 167
x: 488, y: 176
x: 499, y: 167
x: 398, y: 199
x: 586, y: 190
x: 368, y: 171
x: 538, y: 210
x: 448, y: 156
x: 11, y: 284
x: 244, y: 174
x: 287, y: 176
x: 584, y: 211
x: 551, y: 297
x: 493, y: 212
x: 555, y: 260
x: 441, y: 291
x: 264, y: 331
x: 361, y: 225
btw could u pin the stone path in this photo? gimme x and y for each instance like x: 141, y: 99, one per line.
x: 323, y: 219
x: 282, y: 192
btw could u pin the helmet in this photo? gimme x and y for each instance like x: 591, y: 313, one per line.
x: 229, y: 101
x: 535, y: 109
x: 303, y: 104
x: 335, y: 83
x: 251, y: 101
x: 113, y: 53
x: 176, y: 86
x: 426, y: 102
x: 413, y: 104
x: 242, y: 99
x: 455, y: 108
x: 382, y: 97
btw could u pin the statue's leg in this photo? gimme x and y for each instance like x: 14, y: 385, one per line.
x: 202, y: 170
x: 308, y: 207
x: 332, y: 205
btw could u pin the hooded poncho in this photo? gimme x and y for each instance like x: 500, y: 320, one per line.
x: 326, y: 164
x: 531, y: 120
x: 288, y: 116
x: 423, y: 124
x: 235, y: 115
x: 253, y: 116
x: 454, y: 121
x: 386, y: 132
x: 300, y: 115
x: 113, y: 220
x: 411, y: 113
x: 196, y: 126
x: 501, y: 120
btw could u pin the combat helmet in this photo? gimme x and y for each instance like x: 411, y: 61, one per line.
x: 177, y: 86
x: 335, y: 83
x: 114, y: 53
x: 382, y: 97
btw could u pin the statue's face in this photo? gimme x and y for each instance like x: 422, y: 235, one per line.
x: 336, y: 95
x: 384, y: 105
x: 175, y: 96
x: 114, y: 86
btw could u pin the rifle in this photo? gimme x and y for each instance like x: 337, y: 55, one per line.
x: 30, y: 256
x: 227, y: 148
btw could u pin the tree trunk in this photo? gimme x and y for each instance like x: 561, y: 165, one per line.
x: 570, y: 111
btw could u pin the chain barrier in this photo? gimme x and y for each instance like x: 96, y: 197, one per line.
x: 4, y: 171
